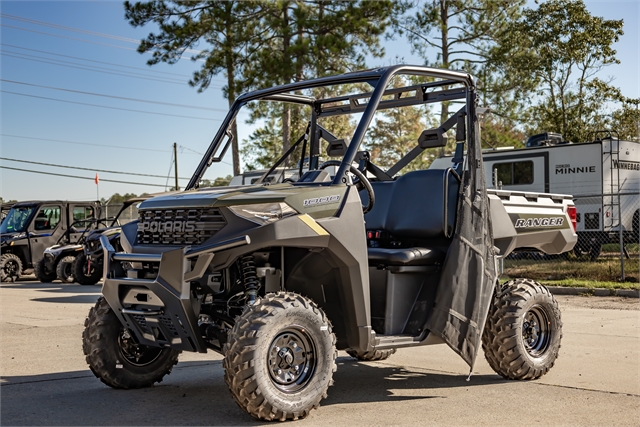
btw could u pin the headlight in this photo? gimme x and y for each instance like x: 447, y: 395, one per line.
x: 264, y: 213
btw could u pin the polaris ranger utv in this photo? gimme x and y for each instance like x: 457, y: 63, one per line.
x: 31, y: 227
x: 371, y: 258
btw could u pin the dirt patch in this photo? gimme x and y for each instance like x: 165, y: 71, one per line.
x: 601, y: 303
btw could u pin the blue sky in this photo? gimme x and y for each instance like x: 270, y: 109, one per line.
x: 87, y: 46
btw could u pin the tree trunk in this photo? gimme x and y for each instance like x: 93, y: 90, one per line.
x: 286, y: 112
x: 444, y: 33
x: 231, y: 93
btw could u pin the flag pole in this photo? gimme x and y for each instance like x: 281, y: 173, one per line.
x: 97, y: 180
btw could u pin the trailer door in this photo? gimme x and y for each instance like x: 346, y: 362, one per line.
x: 521, y: 171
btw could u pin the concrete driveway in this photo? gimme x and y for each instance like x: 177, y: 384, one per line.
x: 45, y: 381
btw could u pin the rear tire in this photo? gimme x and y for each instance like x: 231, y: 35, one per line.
x: 521, y: 339
x: 370, y: 356
x: 84, y: 277
x: 64, y: 270
x: 42, y: 273
x: 280, y: 357
x: 115, y: 358
x: 10, y: 268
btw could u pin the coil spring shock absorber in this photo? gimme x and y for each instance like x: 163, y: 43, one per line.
x: 250, y: 278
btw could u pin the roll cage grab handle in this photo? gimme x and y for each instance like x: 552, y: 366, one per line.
x: 382, y: 78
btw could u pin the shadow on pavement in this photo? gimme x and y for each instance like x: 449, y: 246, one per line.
x: 196, y: 394
x: 55, y: 287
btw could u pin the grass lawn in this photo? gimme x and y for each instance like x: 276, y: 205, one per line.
x: 573, y: 272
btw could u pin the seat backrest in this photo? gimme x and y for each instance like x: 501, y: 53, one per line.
x: 376, y: 218
x: 415, y: 205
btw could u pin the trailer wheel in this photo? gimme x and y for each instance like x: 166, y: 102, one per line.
x: 42, y: 272
x: 64, y: 269
x: 85, y: 274
x: 280, y: 357
x: 370, y: 356
x: 10, y: 268
x: 116, y: 358
x: 521, y: 339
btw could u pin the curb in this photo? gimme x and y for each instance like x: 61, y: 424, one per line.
x: 597, y: 292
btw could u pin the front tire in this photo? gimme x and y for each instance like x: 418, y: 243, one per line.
x: 64, y: 270
x: 85, y: 274
x: 114, y: 356
x: 10, y: 268
x: 521, y: 339
x: 42, y: 272
x: 280, y: 357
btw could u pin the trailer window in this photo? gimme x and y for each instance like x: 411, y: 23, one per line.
x: 515, y: 173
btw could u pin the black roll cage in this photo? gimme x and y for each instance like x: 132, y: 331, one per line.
x: 380, y: 98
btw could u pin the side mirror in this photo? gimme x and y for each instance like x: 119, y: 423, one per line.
x: 432, y: 138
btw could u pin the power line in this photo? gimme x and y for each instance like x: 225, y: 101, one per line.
x: 86, y: 169
x: 113, y: 96
x: 80, y: 177
x: 111, y: 108
x: 67, y: 37
x: 90, y: 68
x: 97, y: 62
x: 120, y: 147
x: 80, y: 30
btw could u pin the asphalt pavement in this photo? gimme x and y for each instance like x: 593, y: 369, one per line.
x: 45, y: 381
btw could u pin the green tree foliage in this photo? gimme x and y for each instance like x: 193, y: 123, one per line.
x: 258, y: 44
x: 218, y: 182
x: 227, y: 31
x: 554, y: 51
x: 462, y: 34
x: 625, y: 121
x: 313, y: 38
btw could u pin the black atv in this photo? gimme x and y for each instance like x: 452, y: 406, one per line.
x: 376, y: 255
x: 87, y: 265
x: 57, y: 260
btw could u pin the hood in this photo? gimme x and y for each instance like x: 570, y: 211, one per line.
x: 316, y: 200
x: 10, y: 237
x: 96, y: 234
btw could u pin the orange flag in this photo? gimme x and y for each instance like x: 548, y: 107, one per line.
x: 96, y: 180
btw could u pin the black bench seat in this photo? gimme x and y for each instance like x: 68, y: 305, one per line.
x: 405, y: 256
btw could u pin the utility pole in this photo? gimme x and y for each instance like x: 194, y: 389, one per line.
x: 175, y: 162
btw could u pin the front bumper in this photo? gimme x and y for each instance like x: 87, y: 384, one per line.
x: 161, y: 312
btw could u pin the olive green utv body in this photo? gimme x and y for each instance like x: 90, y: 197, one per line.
x: 351, y: 256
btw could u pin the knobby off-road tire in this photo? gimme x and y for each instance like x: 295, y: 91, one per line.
x: 64, y: 269
x: 43, y: 274
x: 115, y: 358
x: 280, y: 357
x: 80, y: 274
x: 521, y: 339
x: 369, y: 356
x: 10, y: 268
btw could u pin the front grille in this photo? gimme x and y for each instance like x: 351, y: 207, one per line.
x: 179, y: 226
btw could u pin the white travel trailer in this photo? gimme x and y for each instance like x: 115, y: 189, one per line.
x: 603, y: 176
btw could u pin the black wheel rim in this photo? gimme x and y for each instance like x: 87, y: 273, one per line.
x: 134, y: 353
x: 68, y: 271
x: 10, y: 268
x: 536, y: 331
x: 292, y: 359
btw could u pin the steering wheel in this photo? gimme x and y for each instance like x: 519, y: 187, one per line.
x: 362, y: 182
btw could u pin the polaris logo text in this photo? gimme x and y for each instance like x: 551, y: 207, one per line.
x: 539, y: 222
x: 167, y: 226
x: 321, y: 200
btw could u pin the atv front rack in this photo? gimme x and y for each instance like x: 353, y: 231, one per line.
x: 162, y: 312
